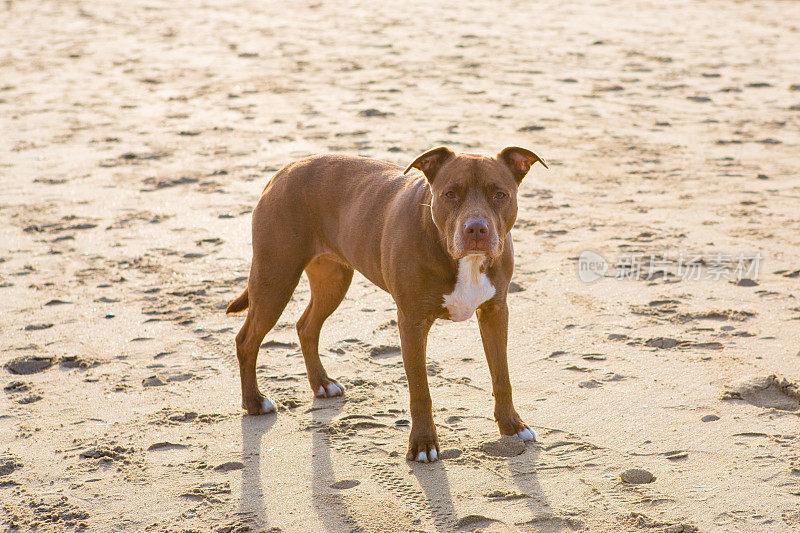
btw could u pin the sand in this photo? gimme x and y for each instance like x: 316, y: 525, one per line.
x: 135, y: 139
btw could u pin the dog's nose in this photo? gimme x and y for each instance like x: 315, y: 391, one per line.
x: 476, y: 236
x: 476, y: 228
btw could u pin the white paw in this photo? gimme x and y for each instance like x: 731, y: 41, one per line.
x: 267, y: 406
x: 527, y: 434
x: 429, y: 457
x: 332, y: 389
x: 335, y: 389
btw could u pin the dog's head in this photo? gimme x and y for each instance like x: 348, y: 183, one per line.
x: 474, y: 197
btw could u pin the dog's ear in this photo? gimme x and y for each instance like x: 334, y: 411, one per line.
x: 431, y: 161
x: 519, y: 161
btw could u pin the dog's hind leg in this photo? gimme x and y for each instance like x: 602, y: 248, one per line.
x: 329, y: 281
x: 269, y: 289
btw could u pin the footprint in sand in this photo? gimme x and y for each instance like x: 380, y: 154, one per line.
x: 771, y: 392
x: 450, y: 453
x: 384, y: 351
x: 152, y: 381
x: 345, y: 484
x: 56, y: 510
x: 8, y: 464
x: 29, y: 364
x: 209, y: 492
x: 475, y: 522
x: 164, y: 183
x: 505, y: 446
x: 726, y: 314
x: 187, y: 416
x: 158, y: 446
x: 386, y: 325
x: 21, y: 392
x: 229, y: 466
x: 106, y: 453
x: 73, y: 361
x: 665, y: 343
x: 180, y: 376
x: 279, y: 345
x: 515, y: 287
x: 661, y: 342
x: 38, y: 327
x: 656, y: 308
x: 17, y: 387
x: 505, y: 495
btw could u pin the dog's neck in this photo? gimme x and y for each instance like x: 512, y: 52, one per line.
x: 473, y: 288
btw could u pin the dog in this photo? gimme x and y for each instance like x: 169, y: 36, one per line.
x: 439, y: 244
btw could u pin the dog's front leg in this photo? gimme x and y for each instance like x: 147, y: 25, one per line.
x: 423, y: 444
x: 493, y: 323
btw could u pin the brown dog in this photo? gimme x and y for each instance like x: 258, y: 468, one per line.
x: 440, y: 246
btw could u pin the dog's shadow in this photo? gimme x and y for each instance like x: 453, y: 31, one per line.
x: 329, y: 505
x: 329, y: 501
x: 435, y: 484
x: 251, y: 503
x: 523, y: 469
x: 436, y: 487
x: 332, y: 506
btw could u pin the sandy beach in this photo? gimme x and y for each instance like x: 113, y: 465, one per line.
x: 655, y: 313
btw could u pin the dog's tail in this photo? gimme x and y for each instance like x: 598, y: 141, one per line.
x: 239, y: 304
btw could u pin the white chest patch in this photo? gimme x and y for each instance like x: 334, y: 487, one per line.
x: 472, y: 289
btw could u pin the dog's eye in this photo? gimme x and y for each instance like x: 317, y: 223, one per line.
x: 450, y: 194
x: 499, y: 195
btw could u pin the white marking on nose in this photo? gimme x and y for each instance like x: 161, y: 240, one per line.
x: 472, y: 288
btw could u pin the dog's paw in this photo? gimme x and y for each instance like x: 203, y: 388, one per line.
x: 267, y: 406
x: 527, y: 434
x: 429, y: 457
x: 512, y: 424
x: 329, y: 390
x: 260, y: 406
x: 423, y: 448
